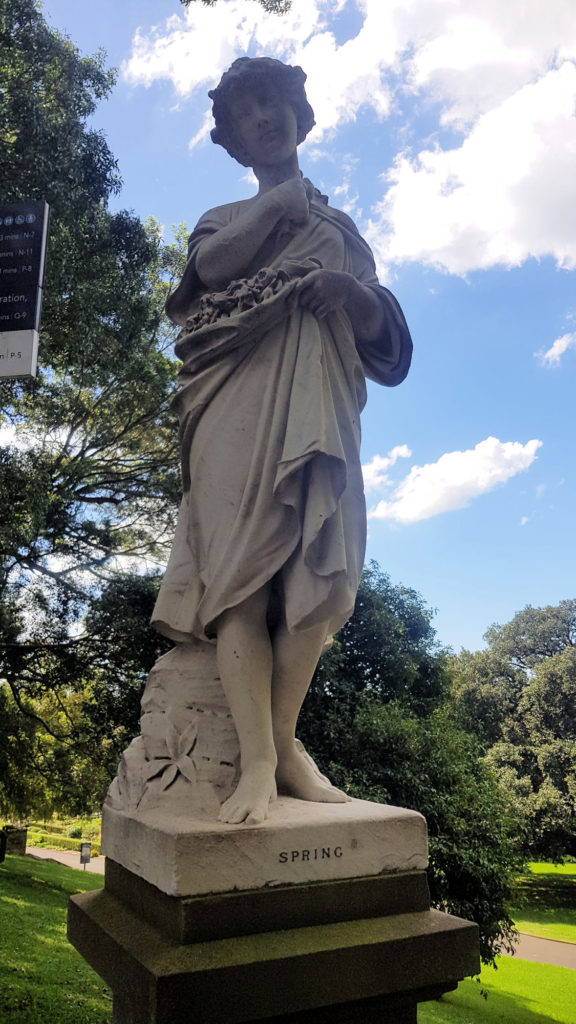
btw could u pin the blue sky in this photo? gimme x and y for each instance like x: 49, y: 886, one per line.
x: 447, y: 129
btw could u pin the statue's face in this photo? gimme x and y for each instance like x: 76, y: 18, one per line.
x: 265, y: 125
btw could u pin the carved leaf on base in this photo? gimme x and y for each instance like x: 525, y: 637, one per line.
x: 180, y: 747
x: 187, y: 753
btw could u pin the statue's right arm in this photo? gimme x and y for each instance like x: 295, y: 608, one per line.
x: 225, y: 254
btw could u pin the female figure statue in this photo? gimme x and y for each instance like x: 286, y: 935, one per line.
x: 282, y: 319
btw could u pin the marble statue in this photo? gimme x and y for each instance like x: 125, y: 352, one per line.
x: 282, y: 318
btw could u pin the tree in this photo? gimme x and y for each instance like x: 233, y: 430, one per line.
x: 379, y: 721
x: 518, y: 697
x: 534, y: 634
x: 486, y: 689
x: 537, y: 755
x: 76, y: 705
x: 94, y: 429
x: 89, y: 467
x: 271, y: 6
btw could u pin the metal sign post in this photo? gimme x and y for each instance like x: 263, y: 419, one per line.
x: 23, y: 235
x: 85, y: 853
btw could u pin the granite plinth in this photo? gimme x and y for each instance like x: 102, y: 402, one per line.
x: 373, y: 969
x: 223, y: 915
x: 300, y: 842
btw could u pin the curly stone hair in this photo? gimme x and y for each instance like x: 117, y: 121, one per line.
x: 257, y: 71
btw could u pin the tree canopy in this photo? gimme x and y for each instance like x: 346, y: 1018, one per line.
x: 518, y: 697
x: 271, y: 6
x: 88, y: 454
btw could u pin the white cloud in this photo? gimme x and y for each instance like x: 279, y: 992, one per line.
x: 507, y: 193
x: 375, y: 472
x: 474, y: 54
x: 502, y: 76
x: 552, y: 356
x: 455, y: 480
x: 192, y: 50
x: 203, y: 133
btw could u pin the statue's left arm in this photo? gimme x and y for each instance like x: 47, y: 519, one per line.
x: 380, y: 329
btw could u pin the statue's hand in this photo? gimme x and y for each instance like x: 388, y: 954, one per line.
x: 323, y: 291
x: 290, y: 197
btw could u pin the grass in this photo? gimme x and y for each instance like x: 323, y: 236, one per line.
x: 545, y: 867
x: 519, y: 992
x: 547, y: 902
x: 42, y: 977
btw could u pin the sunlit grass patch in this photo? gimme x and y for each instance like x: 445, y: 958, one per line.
x: 559, y: 925
x: 518, y: 992
x: 42, y: 977
x: 543, y: 867
x: 546, y: 904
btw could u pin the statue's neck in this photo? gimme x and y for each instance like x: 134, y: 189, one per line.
x: 272, y: 175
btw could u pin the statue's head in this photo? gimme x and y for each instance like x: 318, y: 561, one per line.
x: 249, y: 73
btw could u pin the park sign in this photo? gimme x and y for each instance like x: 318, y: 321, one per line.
x: 23, y: 234
x: 85, y: 853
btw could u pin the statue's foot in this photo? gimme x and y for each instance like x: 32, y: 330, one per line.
x: 297, y: 775
x: 249, y: 801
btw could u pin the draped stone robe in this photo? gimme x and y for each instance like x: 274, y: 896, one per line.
x: 269, y: 407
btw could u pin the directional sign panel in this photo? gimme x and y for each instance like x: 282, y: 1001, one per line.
x: 23, y: 234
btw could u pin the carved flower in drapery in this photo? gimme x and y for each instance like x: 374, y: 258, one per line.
x: 179, y: 762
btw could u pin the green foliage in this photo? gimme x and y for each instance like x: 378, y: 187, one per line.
x: 387, y: 649
x: 378, y: 720
x: 48, y: 93
x: 89, y: 460
x: 271, y: 6
x: 76, y: 828
x: 48, y: 841
x: 535, y: 634
x: 519, y: 698
x: 69, y: 717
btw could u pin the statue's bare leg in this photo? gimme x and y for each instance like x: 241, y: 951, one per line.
x: 244, y: 653
x: 295, y: 659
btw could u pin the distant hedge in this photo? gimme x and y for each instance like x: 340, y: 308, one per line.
x: 52, y: 841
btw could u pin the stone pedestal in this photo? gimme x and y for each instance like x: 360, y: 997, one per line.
x: 345, y: 934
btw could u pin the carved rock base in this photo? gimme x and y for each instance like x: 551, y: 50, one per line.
x: 187, y: 756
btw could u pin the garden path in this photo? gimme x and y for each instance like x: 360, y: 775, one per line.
x: 546, y: 951
x: 67, y: 857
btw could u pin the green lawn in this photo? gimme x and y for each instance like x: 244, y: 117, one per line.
x: 519, y: 992
x: 43, y: 980
x: 545, y: 867
x: 547, y: 902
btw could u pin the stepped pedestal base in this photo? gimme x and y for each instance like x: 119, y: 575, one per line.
x: 353, y: 950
